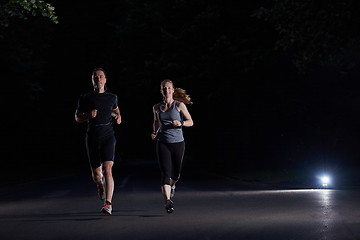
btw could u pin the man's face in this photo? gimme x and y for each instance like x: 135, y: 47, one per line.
x: 99, y: 79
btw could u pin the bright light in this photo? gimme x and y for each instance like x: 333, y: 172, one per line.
x: 325, y: 181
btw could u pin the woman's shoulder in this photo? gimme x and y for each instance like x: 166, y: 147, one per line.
x: 156, y: 105
x: 179, y: 103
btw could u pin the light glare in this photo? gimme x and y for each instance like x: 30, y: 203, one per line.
x: 325, y: 180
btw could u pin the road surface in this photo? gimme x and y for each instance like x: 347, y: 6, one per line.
x: 206, y: 207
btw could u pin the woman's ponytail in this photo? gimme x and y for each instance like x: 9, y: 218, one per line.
x: 180, y: 95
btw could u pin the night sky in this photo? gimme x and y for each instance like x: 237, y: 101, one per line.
x: 274, y: 83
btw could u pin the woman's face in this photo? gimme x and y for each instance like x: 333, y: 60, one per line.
x: 99, y: 79
x: 167, y: 89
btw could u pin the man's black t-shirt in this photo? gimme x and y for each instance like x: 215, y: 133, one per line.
x: 104, y: 103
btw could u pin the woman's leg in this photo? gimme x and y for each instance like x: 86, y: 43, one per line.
x: 164, y: 160
x: 166, y: 190
x: 177, y: 150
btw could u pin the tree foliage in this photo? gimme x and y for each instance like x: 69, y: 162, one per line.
x: 322, y: 32
x: 23, y: 9
x: 188, y: 39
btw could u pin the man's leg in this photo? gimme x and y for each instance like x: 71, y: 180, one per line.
x: 97, y: 177
x: 109, y: 180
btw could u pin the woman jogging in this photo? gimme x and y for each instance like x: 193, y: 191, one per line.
x: 170, y: 116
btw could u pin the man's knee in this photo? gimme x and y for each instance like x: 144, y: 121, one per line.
x: 107, y: 168
x: 96, y: 172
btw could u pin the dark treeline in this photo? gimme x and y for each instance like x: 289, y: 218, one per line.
x: 274, y: 83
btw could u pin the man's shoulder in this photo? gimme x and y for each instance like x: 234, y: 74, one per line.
x: 85, y: 94
x: 111, y: 94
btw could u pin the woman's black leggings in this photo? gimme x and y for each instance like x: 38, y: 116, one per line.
x: 170, y: 156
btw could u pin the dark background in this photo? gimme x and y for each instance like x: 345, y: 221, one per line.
x: 274, y: 83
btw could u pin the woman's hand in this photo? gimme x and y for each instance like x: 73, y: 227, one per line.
x: 153, y: 135
x: 177, y: 123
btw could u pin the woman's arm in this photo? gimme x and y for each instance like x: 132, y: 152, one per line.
x: 155, y: 124
x: 188, y: 122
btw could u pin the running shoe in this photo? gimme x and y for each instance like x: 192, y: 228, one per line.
x: 107, y: 208
x: 172, y: 193
x: 169, y: 206
x: 101, y: 192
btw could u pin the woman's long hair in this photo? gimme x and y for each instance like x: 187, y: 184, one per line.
x: 179, y: 93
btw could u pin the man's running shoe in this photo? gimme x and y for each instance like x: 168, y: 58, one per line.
x: 169, y: 206
x: 107, y: 208
x: 101, y: 192
x: 172, y: 193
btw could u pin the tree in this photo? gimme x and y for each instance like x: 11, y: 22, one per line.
x: 319, y: 33
x: 23, y: 8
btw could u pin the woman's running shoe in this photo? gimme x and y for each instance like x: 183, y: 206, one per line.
x: 169, y: 206
x: 107, y: 208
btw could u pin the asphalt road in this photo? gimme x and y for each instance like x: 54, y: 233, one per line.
x: 206, y: 207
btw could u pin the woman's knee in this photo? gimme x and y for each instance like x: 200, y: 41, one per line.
x: 165, y: 180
